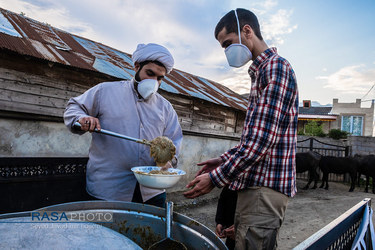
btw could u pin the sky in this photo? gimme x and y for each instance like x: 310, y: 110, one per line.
x: 330, y: 44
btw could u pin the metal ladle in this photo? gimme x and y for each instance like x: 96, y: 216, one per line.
x: 168, y: 242
x: 107, y: 132
x: 161, y: 154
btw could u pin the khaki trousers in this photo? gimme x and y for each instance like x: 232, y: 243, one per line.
x: 259, y: 214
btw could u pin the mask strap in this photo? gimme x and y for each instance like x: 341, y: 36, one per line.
x: 238, y: 25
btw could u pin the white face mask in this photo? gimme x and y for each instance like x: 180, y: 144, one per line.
x: 147, y: 87
x: 238, y: 54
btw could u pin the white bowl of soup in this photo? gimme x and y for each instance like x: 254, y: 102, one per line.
x: 153, y: 177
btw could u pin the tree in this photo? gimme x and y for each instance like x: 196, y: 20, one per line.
x: 312, y: 128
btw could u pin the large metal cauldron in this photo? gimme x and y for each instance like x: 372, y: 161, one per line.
x: 140, y: 223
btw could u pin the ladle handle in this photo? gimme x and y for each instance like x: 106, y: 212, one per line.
x: 77, y: 125
x: 169, y: 219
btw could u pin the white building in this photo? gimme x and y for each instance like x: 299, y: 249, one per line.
x: 353, y: 118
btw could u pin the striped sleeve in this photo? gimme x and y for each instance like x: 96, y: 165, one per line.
x: 225, y: 156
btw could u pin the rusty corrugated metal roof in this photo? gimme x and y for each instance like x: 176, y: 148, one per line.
x: 26, y: 36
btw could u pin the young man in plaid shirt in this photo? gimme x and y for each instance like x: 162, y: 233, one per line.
x: 261, y: 168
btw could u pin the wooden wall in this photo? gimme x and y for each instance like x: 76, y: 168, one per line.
x: 42, y: 89
x: 202, y: 116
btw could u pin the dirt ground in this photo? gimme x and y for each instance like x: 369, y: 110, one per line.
x: 308, y: 212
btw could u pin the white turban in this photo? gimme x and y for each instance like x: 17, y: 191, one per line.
x: 153, y: 52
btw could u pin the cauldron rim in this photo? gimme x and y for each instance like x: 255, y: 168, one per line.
x: 184, y: 223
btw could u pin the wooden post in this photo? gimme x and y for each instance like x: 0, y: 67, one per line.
x: 311, y: 144
x: 347, y: 151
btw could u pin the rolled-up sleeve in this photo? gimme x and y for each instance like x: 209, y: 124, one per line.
x: 84, y: 105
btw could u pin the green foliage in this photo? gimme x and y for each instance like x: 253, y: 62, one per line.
x: 300, y: 132
x: 320, y: 133
x: 312, y: 128
x: 337, y: 134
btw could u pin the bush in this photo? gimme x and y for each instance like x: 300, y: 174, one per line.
x: 313, y: 129
x: 320, y: 133
x: 337, y: 134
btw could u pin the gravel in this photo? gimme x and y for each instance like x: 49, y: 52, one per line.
x: 308, y: 212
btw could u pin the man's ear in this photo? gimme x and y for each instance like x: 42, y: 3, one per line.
x: 247, y: 31
x: 136, y: 66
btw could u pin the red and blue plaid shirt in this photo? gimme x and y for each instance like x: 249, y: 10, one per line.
x: 265, y: 155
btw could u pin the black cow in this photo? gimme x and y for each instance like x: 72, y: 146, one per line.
x: 338, y: 165
x: 308, y: 161
x: 366, y: 166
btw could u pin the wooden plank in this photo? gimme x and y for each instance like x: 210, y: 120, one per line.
x: 180, y: 104
x: 176, y: 98
x: 21, y: 92
x: 37, y: 90
x: 240, y: 121
x: 208, y: 117
x: 185, y: 101
x: 185, y: 124
x: 183, y: 110
x: 42, y: 80
x: 183, y: 117
x: 208, y: 125
x: 24, y: 98
x: 34, y: 109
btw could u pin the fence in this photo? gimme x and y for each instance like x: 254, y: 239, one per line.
x: 352, y: 230
x: 324, y: 149
x: 27, y: 183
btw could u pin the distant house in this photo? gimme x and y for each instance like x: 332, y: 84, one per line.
x: 322, y: 115
x: 353, y: 118
x: 350, y: 117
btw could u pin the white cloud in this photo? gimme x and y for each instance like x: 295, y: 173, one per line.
x: 115, y: 23
x: 268, y: 4
x: 239, y: 81
x: 262, y: 7
x: 48, y: 12
x: 278, y: 25
x: 355, y: 79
